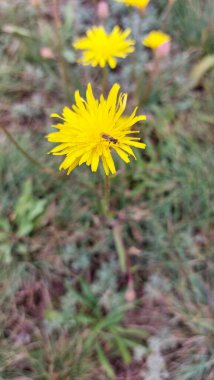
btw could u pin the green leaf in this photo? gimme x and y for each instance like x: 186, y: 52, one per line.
x: 82, y: 300
x: 5, y: 253
x: 122, y: 348
x: 69, y: 55
x: 4, y: 224
x: 206, y: 118
x: 84, y: 319
x: 22, y: 249
x: 18, y: 30
x: 130, y: 343
x: 206, y: 324
x: 3, y: 236
x: 54, y: 316
x: 119, y: 247
x: 133, y: 331
x: 28, y: 209
x: 24, y: 200
x: 39, y: 206
x: 25, y: 228
x: 104, y: 361
x: 199, y: 70
x: 88, y: 293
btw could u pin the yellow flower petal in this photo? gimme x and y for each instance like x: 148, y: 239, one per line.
x: 137, y: 144
x: 94, y: 161
x: 155, y: 39
x: 135, y: 3
x: 110, y: 162
x: 105, y: 166
x: 122, y: 154
x: 73, y: 166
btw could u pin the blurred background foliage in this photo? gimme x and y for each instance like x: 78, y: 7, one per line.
x: 65, y: 313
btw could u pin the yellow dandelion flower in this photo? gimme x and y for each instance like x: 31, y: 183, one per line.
x: 155, y: 39
x: 100, y: 48
x: 93, y: 128
x: 135, y: 3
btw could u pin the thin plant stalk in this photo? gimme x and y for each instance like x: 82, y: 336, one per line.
x: 166, y: 15
x: 123, y: 255
x: 148, y: 87
x: 119, y: 247
x: 150, y: 80
x: 59, y: 48
x: 135, y: 72
x: 23, y: 151
x: 106, y: 195
x: 104, y: 79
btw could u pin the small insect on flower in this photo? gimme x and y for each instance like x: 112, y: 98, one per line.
x: 110, y: 138
x: 101, y: 48
x: 93, y: 128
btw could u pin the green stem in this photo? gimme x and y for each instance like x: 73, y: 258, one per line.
x: 23, y: 151
x: 149, y: 84
x: 106, y: 195
x: 104, y: 79
x: 119, y: 247
x: 123, y: 255
x: 168, y: 9
x: 148, y: 88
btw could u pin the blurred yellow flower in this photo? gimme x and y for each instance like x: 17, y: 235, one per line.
x: 135, y: 3
x: 155, y: 39
x: 100, y: 48
x: 92, y: 128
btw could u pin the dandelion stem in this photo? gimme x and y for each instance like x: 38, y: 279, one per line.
x: 148, y: 87
x: 123, y: 255
x: 119, y: 247
x: 104, y: 79
x: 23, y: 151
x: 106, y: 195
x: 149, y: 84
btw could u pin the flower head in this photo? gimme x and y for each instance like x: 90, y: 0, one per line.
x: 155, y: 39
x: 93, y: 128
x: 135, y: 3
x: 100, y: 48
